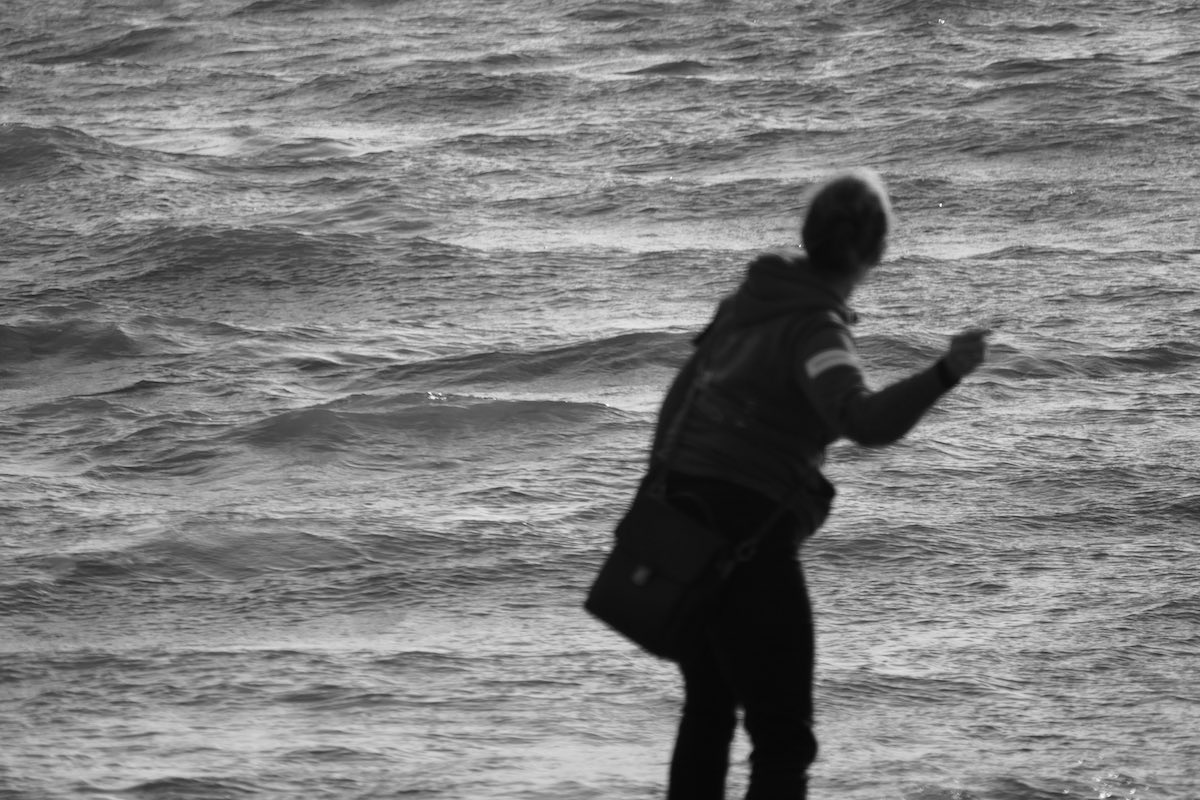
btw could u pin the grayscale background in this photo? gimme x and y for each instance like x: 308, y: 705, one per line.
x: 332, y: 333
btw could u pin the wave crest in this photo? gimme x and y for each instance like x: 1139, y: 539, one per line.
x: 610, y: 356
x: 82, y: 339
x: 364, y: 420
x: 151, y: 44
x: 28, y: 152
x: 686, y: 67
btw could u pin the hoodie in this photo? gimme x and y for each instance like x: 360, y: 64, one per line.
x: 776, y: 380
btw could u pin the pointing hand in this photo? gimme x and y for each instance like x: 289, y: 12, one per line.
x: 966, y: 352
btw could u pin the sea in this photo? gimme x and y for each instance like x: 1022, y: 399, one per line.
x: 333, y: 333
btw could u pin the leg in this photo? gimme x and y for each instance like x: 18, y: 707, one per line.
x: 701, y: 758
x: 759, y: 655
x: 766, y: 640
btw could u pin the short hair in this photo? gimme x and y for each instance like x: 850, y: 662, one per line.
x: 847, y: 222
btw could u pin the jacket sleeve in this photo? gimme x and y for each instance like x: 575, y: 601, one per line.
x: 832, y: 379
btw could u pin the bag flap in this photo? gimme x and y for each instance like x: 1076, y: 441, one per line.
x: 667, y: 540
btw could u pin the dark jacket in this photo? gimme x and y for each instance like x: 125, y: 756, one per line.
x: 777, y: 381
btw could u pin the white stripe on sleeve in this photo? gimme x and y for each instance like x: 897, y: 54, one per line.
x: 828, y: 359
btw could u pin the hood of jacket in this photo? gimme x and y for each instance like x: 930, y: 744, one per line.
x: 779, y: 283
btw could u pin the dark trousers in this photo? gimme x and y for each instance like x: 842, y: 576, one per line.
x: 756, y: 655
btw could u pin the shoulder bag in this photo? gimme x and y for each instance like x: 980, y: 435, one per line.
x: 664, y: 573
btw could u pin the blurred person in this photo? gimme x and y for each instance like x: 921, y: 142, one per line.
x: 774, y: 380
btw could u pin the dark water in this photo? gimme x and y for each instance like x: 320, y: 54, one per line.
x: 331, y: 335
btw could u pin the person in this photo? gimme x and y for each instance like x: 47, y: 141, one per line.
x: 742, y: 433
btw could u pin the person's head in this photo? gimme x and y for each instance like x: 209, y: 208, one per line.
x: 845, y: 229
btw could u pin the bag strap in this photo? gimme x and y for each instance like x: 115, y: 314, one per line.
x: 747, y: 548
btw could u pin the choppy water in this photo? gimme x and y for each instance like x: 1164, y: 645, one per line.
x: 332, y: 334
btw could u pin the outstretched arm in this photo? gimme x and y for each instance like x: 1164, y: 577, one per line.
x: 835, y: 385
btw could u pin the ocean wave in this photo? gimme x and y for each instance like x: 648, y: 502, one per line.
x: 1044, y: 28
x: 55, y: 331
x: 455, y: 572
x: 154, y: 44
x: 895, y: 548
x: 285, y: 7
x: 284, y: 566
x: 1031, y: 788
x: 685, y: 68
x: 214, y: 547
x: 884, y: 351
x: 189, y: 788
x: 29, y: 152
x: 452, y: 93
x: 363, y: 420
x: 486, y: 143
x: 1178, y: 356
x: 1169, y: 356
x: 264, y: 256
x: 321, y: 91
x: 1032, y: 253
x: 384, y: 212
x: 634, y: 198
x: 516, y: 61
x: 619, y: 10
x: 1122, y: 104
x: 884, y: 689
x: 332, y: 697
x: 127, y: 439
x: 77, y: 338
x: 605, y: 357
x: 1033, y: 66
x: 311, y: 148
